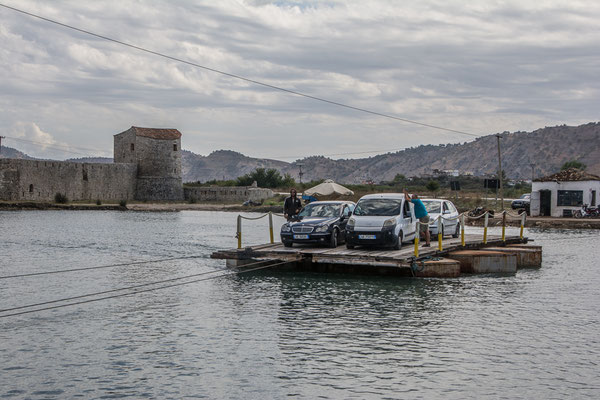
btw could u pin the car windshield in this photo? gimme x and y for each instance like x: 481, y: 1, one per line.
x: 378, y: 207
x: 432, y: 206
x: 525, y: 196
x: 320, y: 210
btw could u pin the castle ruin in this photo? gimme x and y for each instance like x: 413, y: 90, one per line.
x: 147, y: 167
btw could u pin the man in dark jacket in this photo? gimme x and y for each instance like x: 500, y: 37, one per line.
x: 291, y: 205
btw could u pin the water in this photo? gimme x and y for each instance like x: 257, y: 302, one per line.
x: 273, y: 335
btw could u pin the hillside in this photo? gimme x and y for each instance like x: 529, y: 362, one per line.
x: 222, y: 164
x: 547, y: 148
x: 9, y: 152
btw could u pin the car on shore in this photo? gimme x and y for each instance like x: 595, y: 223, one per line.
x: 522, y: 202
x: 385, y: 219
x: 449, y: 214
x: 319, y: 222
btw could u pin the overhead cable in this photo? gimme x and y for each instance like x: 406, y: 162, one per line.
x: 114, y: 290
x: 156, y: 53
x: 61, y: 271
x: 139, y: 291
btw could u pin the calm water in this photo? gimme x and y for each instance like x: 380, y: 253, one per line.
x: 531, y: 335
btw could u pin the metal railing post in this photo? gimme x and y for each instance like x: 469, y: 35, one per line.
x: 271, y: 227
x: 417, y: 237
x: 462, y: 230
x: 504, y: 226
x: 239, y: 231
x: 440, y: 236
x: 485, y: 225
x: 523, y: 214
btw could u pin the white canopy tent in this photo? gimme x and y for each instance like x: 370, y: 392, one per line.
x: 328, y: 188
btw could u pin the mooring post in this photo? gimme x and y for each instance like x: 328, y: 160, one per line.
x: 440, y: 236
x: 523, y: 214
x: 462, y: 230
x: 485, y: 224
x: 271, y: 226
x: 417, y: 237
x: 504, y: 226
x: 239, y: 231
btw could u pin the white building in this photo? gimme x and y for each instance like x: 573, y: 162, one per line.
x: 560, y: 194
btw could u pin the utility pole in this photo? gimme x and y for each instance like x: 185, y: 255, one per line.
x: 1, y: 137
x: 300, y: 173
x: 532, y: 166
x: 500, y: 171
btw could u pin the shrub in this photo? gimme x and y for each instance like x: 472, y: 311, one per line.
x: 98, y: 202
x: 61, y: 198
x: 123, y: 203
x: 192, y: 200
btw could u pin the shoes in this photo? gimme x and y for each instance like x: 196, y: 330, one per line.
x: 426, y: 245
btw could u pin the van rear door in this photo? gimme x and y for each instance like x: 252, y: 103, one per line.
x: 409, y: 222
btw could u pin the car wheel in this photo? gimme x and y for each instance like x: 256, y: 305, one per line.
x: 288, y: 244
x: 456, y: 231
x: 398, y: 244
x: 333, y: 242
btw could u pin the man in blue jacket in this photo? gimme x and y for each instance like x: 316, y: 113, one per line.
x: 421, y: 214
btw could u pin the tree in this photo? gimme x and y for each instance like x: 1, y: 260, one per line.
x: 432, y: 186
x: 269, y: 178
x: 573, y: 164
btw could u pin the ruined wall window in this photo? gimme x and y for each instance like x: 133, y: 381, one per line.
x: 174, y: 147
x: 132, y: 147
x: 31, y: 188
x: 85, y: 177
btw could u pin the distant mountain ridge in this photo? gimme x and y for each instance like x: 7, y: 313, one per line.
x: 547, y: 148
x: 9, y: 152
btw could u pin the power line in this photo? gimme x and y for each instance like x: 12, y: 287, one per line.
x: 61, y: 271
x: 114, y: 290
x: 344, y: 154
x: 156, y: 53
x: 138, y: 291
x: 54, y: 146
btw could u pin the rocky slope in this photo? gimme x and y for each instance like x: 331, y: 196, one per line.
x: 546, y: 148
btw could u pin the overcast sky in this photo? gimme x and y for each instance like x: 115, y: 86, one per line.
x: 476, y: 66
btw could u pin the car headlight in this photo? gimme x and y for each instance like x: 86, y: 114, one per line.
x: 285, y: 228
x: 389, y: 223
x: 351, y: 222
x: 322, y: 228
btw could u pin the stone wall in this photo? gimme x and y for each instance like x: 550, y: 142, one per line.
x: 41, y: 180
x: 227, y: 194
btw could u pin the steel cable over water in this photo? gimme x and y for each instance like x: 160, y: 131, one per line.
x: 98, y: 267
x: 134, y: 292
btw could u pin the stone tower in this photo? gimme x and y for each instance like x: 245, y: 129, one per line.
x: 157, y: 154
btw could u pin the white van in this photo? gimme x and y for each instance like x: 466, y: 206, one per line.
x: 385, y: 219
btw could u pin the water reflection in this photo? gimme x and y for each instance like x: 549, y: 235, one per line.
x: 277, y: 334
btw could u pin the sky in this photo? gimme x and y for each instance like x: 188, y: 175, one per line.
x: 478, y: 67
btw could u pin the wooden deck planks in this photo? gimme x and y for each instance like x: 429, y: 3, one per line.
x: 359, y: 255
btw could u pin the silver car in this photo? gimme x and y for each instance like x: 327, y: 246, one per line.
x: 447, y: 209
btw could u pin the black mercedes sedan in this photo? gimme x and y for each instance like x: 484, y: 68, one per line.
x: 320, y: 222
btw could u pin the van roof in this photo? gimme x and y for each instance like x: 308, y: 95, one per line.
x: 384, y: 196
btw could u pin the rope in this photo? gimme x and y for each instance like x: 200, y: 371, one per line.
x: 414, y: 263
x: 130, y: 293
x: 253, y: 218
x: 262, y: 216
x: 97, y: 267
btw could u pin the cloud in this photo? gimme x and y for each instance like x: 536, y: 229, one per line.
x: 481, y: 67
